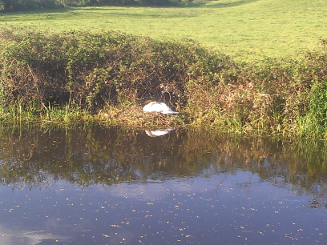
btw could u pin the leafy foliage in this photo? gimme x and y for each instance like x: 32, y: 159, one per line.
x: 19, y: 5
x: 117, y: 73
x: 94, y: 70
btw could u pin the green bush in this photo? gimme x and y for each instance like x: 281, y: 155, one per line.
x: 21, y: 5
x: 103, y: 71
x: 94, y: 70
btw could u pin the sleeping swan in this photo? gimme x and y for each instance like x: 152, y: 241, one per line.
x: 158, y: 107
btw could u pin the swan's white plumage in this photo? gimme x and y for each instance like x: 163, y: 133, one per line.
x: 158, y: 107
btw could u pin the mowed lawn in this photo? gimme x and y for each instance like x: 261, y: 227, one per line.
x: 245, y: 29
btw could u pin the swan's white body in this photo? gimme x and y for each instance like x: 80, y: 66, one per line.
x: 158, y: 107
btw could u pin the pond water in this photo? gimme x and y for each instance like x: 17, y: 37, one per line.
x: 113, y: 186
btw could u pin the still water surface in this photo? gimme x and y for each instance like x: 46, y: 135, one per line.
x: 113, y: 186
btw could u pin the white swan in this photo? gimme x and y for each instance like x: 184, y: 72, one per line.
x: 158, y: 107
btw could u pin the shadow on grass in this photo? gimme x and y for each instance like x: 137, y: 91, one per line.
x: 217, y: 4
x: 231, y: 4
x: 9, y: 16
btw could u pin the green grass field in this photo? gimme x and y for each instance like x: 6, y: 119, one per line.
x: 245, y: 29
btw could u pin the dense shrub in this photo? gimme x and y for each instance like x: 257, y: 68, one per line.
x: 94, y: 70
x: 102, y: 71
x: 20, y: 5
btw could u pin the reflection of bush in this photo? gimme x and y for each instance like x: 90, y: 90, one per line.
x: 109, y: 156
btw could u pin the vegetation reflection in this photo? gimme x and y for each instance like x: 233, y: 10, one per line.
x: 108, y: 156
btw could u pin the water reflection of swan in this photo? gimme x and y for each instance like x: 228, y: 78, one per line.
x: 157, y: 133
x: 158, y: 107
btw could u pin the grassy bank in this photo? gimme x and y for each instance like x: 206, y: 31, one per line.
x: 78, y: 77
x: 246, y: 29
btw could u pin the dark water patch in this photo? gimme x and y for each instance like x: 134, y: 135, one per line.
x: 111, y: 186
